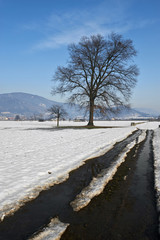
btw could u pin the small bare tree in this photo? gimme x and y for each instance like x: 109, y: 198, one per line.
x: 100, y: 73
x: 57, y: 111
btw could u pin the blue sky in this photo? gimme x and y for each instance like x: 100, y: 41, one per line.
x: 34, y: 35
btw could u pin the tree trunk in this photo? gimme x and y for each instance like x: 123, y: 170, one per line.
x: 58, y: 117
x: 57, y: 121
x: 91, y: 111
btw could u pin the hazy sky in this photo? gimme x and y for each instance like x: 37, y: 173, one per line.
x: 34, y: 35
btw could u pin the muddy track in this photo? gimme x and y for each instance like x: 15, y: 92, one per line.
x: 56, y: 201
x: 126, y: 209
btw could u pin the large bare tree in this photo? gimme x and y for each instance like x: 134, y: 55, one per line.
x: 100, y: 73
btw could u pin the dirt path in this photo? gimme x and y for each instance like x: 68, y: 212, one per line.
x: 127, y: 207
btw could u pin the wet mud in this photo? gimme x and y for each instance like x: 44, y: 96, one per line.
x: 126, y: 209
x: 35, y: 215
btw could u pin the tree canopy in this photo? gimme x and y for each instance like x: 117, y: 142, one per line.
x: 100, y: 73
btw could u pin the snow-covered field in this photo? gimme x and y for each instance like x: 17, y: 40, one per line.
x: 35, y: 155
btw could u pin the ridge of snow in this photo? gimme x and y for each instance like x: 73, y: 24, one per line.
x: 53, y: 231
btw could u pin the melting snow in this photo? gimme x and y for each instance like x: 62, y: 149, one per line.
x: 53, y: 231
x: 33, y: 157
x: 32, y: 160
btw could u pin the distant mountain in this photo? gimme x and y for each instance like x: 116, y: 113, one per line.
x: 148, y: 110
x: 19, y: 103
x: 28, y: 105
x: 23, y: 103
x: 131, y: 113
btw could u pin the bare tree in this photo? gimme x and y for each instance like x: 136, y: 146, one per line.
x: 17, y: 118
x: 57, y: 111
x: 100, y: 73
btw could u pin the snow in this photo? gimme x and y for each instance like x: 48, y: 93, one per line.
x: 53, y: 231
x: 156, y: 146
x: 36, y: 155
x: 33, y: 159
x: 149, y: 125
